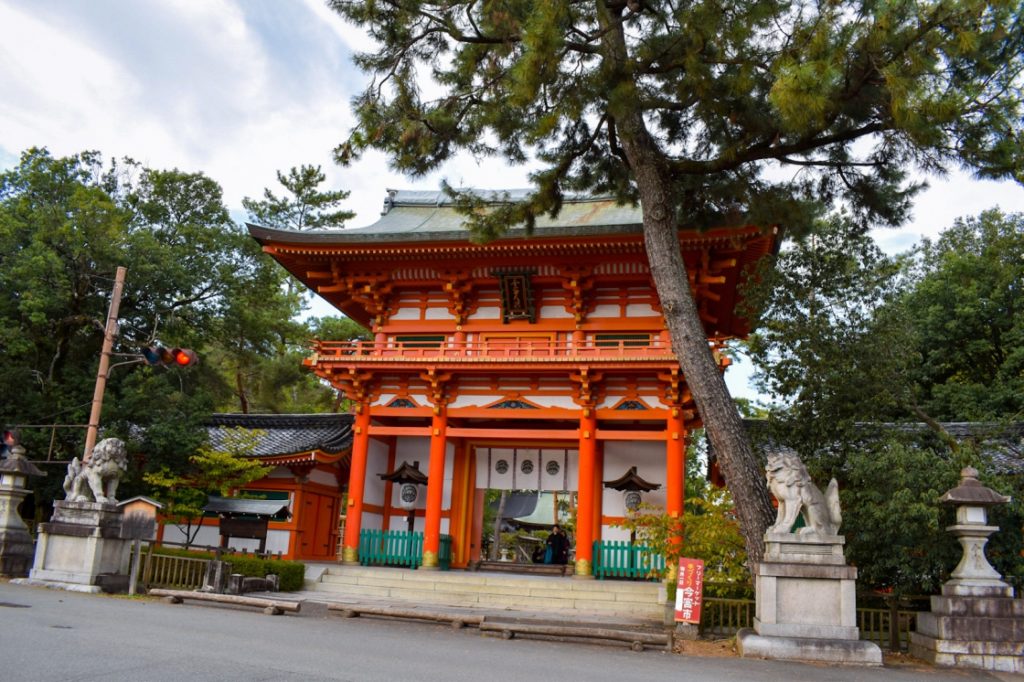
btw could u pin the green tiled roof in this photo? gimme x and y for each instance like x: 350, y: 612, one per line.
x: 428, y: 216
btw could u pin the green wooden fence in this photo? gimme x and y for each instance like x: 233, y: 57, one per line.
x: 887, y: 628
x: 620, y: 559
x: 399, y: 548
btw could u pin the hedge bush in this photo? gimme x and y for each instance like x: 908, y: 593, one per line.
x: 291, y: 573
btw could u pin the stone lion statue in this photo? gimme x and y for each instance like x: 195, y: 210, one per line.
x: 98, y: 478
x: 789, y: 481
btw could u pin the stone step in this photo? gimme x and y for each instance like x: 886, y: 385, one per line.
x: 493, y: 591
x: 523, y: 569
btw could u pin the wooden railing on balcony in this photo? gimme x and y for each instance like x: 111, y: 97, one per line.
x: 497, y: 349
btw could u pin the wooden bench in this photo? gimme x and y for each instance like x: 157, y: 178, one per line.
x: 457, y: 620
x: 271, y: 607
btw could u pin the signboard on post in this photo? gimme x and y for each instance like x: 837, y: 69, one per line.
x: 689, y: 590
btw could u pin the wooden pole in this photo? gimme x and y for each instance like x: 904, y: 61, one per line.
x: 110, y: 331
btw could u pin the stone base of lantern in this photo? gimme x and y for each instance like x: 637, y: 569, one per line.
x: 972, y: 626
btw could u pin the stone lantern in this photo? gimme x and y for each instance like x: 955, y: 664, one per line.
x: 975, y: 622
x: 974, y: 575
x: 16, y: 546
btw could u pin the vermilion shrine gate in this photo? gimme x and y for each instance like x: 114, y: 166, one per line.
x: 538, y: 363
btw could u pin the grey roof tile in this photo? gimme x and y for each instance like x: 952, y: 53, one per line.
x: 286, y: 434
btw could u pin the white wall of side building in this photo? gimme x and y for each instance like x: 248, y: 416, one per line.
x: 209, y: 536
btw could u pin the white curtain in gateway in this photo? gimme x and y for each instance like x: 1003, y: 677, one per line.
x: 513, y: 468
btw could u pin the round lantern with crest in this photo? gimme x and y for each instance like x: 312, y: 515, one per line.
x: 409, y: 478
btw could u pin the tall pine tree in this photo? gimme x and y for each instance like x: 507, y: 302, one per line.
x: 710, y: 114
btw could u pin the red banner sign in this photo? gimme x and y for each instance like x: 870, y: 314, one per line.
x: 689, y: 590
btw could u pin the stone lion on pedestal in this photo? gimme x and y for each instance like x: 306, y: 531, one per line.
x: 789, y: 481
x: 97, y: 479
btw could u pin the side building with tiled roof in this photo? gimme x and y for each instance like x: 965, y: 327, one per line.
x: 309, y: 454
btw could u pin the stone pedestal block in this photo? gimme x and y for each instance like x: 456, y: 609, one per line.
x: 80, y: 548
x: 16, y: 550
x: 806, y: 604
x: 972, y: 632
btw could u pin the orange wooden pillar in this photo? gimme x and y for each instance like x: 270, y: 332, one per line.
x: 435, y: 489
x: 585, y: 491
x: 598, y: 490
x: 675, y: 469
x: 356, y: 485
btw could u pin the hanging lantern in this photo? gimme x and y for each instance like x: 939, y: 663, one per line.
x: 632, y: 487
x: 408, y: 495
x: 409, y: 478
x: 632, y: 499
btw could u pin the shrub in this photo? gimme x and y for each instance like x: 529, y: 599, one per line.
x: 291, y: 573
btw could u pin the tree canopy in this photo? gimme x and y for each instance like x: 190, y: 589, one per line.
x: 852, y: 343
x: 710, y: 114
x: 195, y: 279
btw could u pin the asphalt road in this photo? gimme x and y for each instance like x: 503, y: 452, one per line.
x: 66, y: 637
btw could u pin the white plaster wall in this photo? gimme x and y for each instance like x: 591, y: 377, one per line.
x: 277, y: 541
x: 640, y: 310
x: 412, y: 449
x: 406, y: 313
x: 487, y: 313
x: 553, y: 312
x: 554, y: 401
x: 613, y: 534
x: 649, y: 459
x: 209, y: 536
x: 473, y: 400
x: 376, y: 463
x: 606, y: 310
x: 371, y: 521
x: 323, y: 478
x: 449, y: 470
x: 438, y: 314
x: 542, y: 400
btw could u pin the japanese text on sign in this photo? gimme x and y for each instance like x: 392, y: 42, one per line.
x: 689, y: 590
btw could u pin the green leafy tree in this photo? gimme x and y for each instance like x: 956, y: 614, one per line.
x: 967, y: 309
x: 892, y: 520
x: 831, y: 348
x: 193, y: 277
x: 691, y: 109
x: 306, y: 207
x: 217, y: 470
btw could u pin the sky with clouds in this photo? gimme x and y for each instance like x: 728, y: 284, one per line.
x: 239, y: 89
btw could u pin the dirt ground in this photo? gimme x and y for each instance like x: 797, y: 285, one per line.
x: 726, y: 648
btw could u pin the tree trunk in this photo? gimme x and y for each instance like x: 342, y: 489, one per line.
x: 243, y: 398
x: 743, y: 475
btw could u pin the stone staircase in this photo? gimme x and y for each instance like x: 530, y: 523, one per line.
x: 534, y: 594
